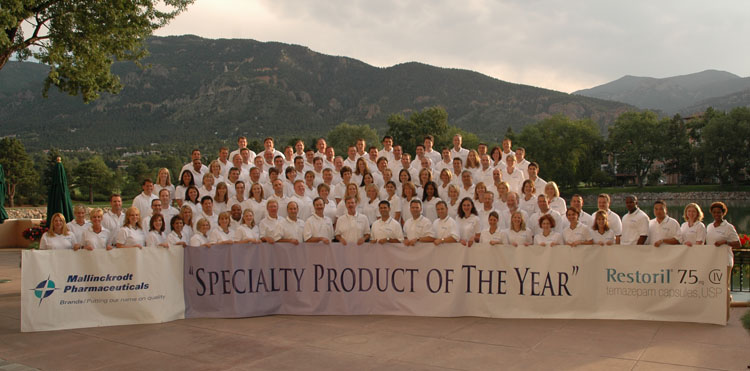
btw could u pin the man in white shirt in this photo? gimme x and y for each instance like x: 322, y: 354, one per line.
x: 279, y: 196
x: 663, y: 229
x: 487, y: 206
x: 292, y: 229
x: 505, y: 215
x: 615, y: 223
x: 387, y: 150
x: 446, y: 162
x: 155, y: 210
x: 318, y: 227
x: 584, y: 218
x: 429, y: 151
x: 206, y: 211
x: 114, y: 219
x: 304, y: 203
x: 507, y: 149
x: 417, y: 228
x: 444, y: 227
x: 634, y: 223
x: 395, y: 163
x: 513, y: 176
x: 416, y: 163
x: 268, y: 147
x: 224, y: 162
x: 386, y: 229
x: 521, y: 162
x: 352, y: 227
x: 484, y: 174
x: 533, y: 172
x: 544, y: 209
x: 241, y: 143
x: 361, y: 148
x: 167, y: 210
x: 143, y: 201
x: 270, y: 226
x: 457, y: 151
x: 196, y: 167
x: 351, y: 157
x: 321, y: 145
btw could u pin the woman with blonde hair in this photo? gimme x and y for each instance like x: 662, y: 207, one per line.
x: 96, y: 236
x: 131, y: 234
x: 223, y: 234
x: 517, y: 234
x: 58, y: 236
x: 248, y: 231
x: 556, y: 202
x: 221, y: 199
x: 79, y: 224
x: 186, y: 212
x: 693, y: 230
x: 602, y: 234
x: 215, y: 169
x: 200, y: 237
x: 164, y: 181
x: 528, y: 201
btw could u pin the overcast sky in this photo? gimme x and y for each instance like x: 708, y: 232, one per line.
x: 564, y: 45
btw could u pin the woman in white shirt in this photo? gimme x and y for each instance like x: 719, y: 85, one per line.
x: 200, y: 237
x: 131, y: 234
x: 256, y: 202
x: 453, y: 201
x: 430, y: 200
x: 192, y: 199
x: 446, y: 179
x: 221, y: 198
x: 576, y: 233
x: 79, y: 224
x: 468, y: 223
x: 370, y: 204
x: 502, y: 189
x: 721, y: 232
x: 518, y: 234
x: 164, y: 181
x: 58, y: 236
x: 408, y: 193
x: 96, y: 236
x: 528, y: 201
x: 601, y: 233
x: 186, y: 212
x: 247, y: 232
x: 156, y: 236
x: 693, y: 230
x: 329, y: 206
x: 223, y: 234
x: 351, y: 191
x: 556, y: 202
x: 215, y: 169
x: 492, y: 235
x: 177, y: 235
x: 367, y: 180
x: 393, y: 199
x: 547, y: 236
x: 186, y: 180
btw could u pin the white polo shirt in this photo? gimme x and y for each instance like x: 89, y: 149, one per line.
x: 580, y: 233
x: 271, y: 228
x: 668, y: 228
x: 292, y: 229
x: 634, y: 225
x: 316, y: 226
x: 421, y: 227
x: 694, y: 233
x: 387, y: 229
x: 519, y: 238
x: 352, y: 227
x: 445, y: 228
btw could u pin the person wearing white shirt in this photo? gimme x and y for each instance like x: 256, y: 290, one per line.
x: 387, y: 150
x: 469, y: 226
x: 130, y: 234
x: 487, y: 207
x: 556, y: 202
x: 247, y: 231
x: 518, y: 234
x: 663, y: 229
x: 521, y: 162
x: 466, y: 188
x: 177, y: 237
x: 445, y: 227
x: 457, y: 151
x: 143, y: 201
x: 721, y: 232
x: 256, y: 202
x: 96, y: 236
x: 304, y: 203
x: 533, y: 172
x: 167, y: 210
x: 340, y: 189
x: 198, y: 170
x: 279, y: 196
x: 513, y: 176
x: 446, y: 161
x: 292, y: 228
x: 164, y: 181
x: 508, y: 149
x: 369, y: 205
x: 485, y: 172
x: 270, y: 226
x: 79, y: 224
x: 527, y: 200
x: 492, y: 234
x: 58, y: 237
x: 615, y: 223
x: 222, y: 234
x: 546, y: 235
x: 601, y: 233
x: 417, y: 228
x: 114, y: 218
x: 512, y: 207
x: 155, y: 210
x: 634, y: 223
x: 585, y: 218
x: 352, y: 227
x: 430, y: 200
x: 576, y: 233
x: 223, y: 161
x: 386, y: 229
x: 207, y: 212
x: 693, y: 230
x: 544, y: 209
x: 200, y: 237
x: 351, y: 158
x: 329, y: 205
x: 241, y: 143
x: 429, y: 151
x: 238, y: 196
x: 156, y: 236
x: 318, y: 227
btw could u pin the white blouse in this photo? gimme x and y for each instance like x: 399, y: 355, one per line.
x: 154, y: 238
x: 486, y: 236
x: 218, y: 235
x: 694, y: 233
x: 581, y: 233
x: 468, y: 227
x: 58, y: 242
x: 198, y: 239
x: 520, y: 238
x: 173, y: 238
x: 97, y: 240
x: 244, y: 232
x: 549, y: 239
x: 607, y: 236
x: 130, y: 236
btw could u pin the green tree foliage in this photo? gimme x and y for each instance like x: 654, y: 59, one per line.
x: 636, y: 140
x: 80, y: 39
x: 410, y: 132
x: 345, y: 135
x: 93, y: 175
x: 725, y: 147
x: 19, y: 169
x: 678, y: 155
x: 568, y: 152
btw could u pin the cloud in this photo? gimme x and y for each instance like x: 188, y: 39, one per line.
x: 562, y: 45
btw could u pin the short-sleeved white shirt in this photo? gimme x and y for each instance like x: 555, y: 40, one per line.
x: 154, y: 238
x: 553, y: 236
x: 316, y: 226
x: 352, y: 227
x: 607, y: 236
x: 97, y: 240
x: 59, y: 241
x: 724, y: 231
x: 519, y: 238
x: 416, y: 229
x: 292, y: 229
x: 271, y: 228
x: 486, y: 236
x: 131, y: 236
x: 387, y: 229
x: 668, y: 228
x: 634, y: 225
x: 580, y: 233
x: 468, y: 227
x: 445, y: 228
x: 173, y: 238
x: 198, y: 239
x: 694, y: 233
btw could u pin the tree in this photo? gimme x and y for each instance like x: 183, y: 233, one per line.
x: 568, y: 152
x: 80, y: 39
x: 19, y: 170
x: 678, y: 157
x: 725, y: 148
x: 408, y: 133
x: 345, y: 135
x: 636, y: 141
x: 93, y: 174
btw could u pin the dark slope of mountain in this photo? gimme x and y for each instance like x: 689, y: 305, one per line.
x: 669, y: 95
x: 725, y: 103
x: 218, y: 89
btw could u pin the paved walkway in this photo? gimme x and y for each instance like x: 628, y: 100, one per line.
x: 368, y: 343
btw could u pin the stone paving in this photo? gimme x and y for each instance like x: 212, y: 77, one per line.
x: 368, y: 343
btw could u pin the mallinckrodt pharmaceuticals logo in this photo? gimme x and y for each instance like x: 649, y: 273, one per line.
x: 44, y: 289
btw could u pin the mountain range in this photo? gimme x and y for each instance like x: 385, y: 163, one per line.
x: 197, y: 90
x: 685, y: 94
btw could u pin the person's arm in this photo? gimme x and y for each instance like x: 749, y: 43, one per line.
x: 341, y: 239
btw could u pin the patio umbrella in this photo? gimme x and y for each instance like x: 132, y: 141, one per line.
x: 58, y: 198
x: 3, y: 214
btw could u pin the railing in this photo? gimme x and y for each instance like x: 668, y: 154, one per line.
x: 740, y: 278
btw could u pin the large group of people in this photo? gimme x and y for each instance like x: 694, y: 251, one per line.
x: 372, y: 195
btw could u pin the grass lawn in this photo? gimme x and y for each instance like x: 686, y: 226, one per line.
x: 659, y: 189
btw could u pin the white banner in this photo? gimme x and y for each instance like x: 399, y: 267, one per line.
x: 669, y: 283
x: 64, y: 289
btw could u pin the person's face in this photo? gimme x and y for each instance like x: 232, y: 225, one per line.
x: 576, y: 203
x: 347, y: 175
x: 268, y: 144
x: 242, y: 143
x: 549, y: 191
x: 163, y: 175
x: 382, y: 166
x: 318, y: 164
x: 272, y: 208
x: 292, y: 210
x: 430, y: 190
x: 330, y: 153
x: 248, y: 217
x: 373, y: 154
x: 446, y: 155
x: 237, y: 161
x: 164, y: 198
x: 466, y: 179
x: 351, y: 152
x: 510, y: 163
x: 546, y: 226
x: 268, y: 156
x: 442, y: 211
x: 309, y: 178
x: 288, y: 152
x: 492, y: 221
x: 351, y: 189
x: 572, y: 217
x: 506, y: 145
x: 192, y: 194
x: 291, y: 175
x: 134, y: 217
x: 157, y: 223
x: 630, y: 204
x: 299, y: 147
x: 485, y: 160
x: 397, y: 152
x: 207, y: 206
x: 427, y: 145
x: 600, y: 221
x: 80, y: 215
x: 516, y: 219
x: 299, y: 189
x: 452, y: 193
x: 457, y: 166
x: 278, y: 186
x: 197, y: 164
x: 255, y: 190
x: 511, y: 201
x: 526, y: 188
x: 717, y: 214
x: 602, y: 203
x: 424, y: 176
x: 385, y: 211
x: 319, y: 206
x: 390, y: 188
x: 235, y: 174
x: 425, y: 162
x: 187, y: 213
x: 387, y: 143
x: 533, y: 171
x: 186, y: 177
x: 457, y: 141
x: 245, y: 156
x: 415, y: 209
x: 466, y: 207
x: 542, y: 203
x: 236, y: 212
x: 323, y: 193
x: 403, y: 177
x: 203, y: 228
x: 148, y: 187
x: 360, y: 146
x: 299, y: 164
x: 361, y: 165
x: 405, y: 162
x: 338, y: 162
x: 520, y: 155
x: 278, y: 162
x: 351, y: 206
x: 178, y: 225
x: 420, y: 151
x: 482, y: 149
x: 321, y: 144
x: 96, y: 220
x: 497, y: 177
x: 208, y: 180
x: 223, y: 154
x: 367, y: 179
x: 327, y: 177
x: 692, y: 214
x: 660, y: 211
x: 196, y: 155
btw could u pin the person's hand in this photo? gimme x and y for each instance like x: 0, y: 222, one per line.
x: 610, y: 243
x: 438, y: 241
x: 109, y: 247
x: 342, y: 241
x: 326, y: 241
x: 295, y: 242
x: 361, y: 241
x: 463, y: 242
x: 89, y: 247
x: 658, y: 243
x: 383, y: 240
x: 469, y: 243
